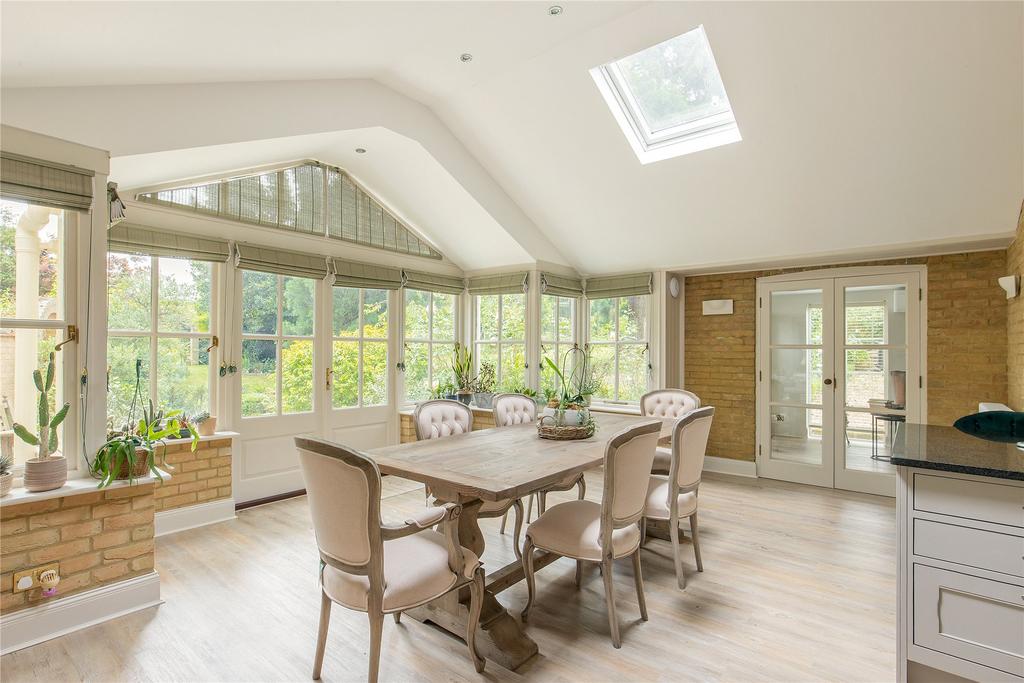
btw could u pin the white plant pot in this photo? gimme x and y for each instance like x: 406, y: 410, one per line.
x: 565, y: 417
x: 6, y: 481
x: 207, y: 427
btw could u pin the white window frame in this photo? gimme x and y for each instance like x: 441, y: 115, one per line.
x: 618, y: 343
x: 499, y: 342
x: 431, y: 342
x: 560, y: 347
x: 360, y: 339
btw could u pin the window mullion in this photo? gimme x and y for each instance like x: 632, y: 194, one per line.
x: 154, y: 327
x: 279, y: 339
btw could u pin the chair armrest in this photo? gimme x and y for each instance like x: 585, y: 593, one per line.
x: 424, y: 519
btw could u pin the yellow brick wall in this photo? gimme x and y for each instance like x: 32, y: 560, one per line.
x: 98, y: 537
x: 482, y: 419
x: 197, y: 477
x: 967, y: 348
x: 1015, y: 322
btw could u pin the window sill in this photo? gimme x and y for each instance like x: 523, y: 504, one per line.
x: 213, y: 437
x: 618, y: 410
x: 73, y: 487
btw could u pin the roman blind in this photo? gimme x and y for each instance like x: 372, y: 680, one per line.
x: 560, y: 285
x: 365, y: 275
x: 280, y: 262
x: 502, y: 283
x: 129, y: 238
x: 429, y: 282
x: 35, y: 181
x: 619, y: 285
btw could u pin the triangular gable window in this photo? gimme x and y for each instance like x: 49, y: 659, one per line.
x: 303, y: 198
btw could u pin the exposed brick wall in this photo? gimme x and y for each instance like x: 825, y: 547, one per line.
x: 98, y: 537
x: 482, y: 419
x: 967, y: 347
x: 1015, y: 322
x: 197, y: 477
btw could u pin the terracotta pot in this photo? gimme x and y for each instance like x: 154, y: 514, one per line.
x: 208, y: 427
x: 46, y: 475
x: 141, y: 468
x: 6, y: 481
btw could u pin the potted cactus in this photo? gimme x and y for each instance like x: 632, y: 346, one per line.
x: 205, y: 423
x: 49, y: 469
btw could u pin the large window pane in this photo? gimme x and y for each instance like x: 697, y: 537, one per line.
x: 297, y: 306
x: 632, y: 372
x: 486, y: 353
x: 513, y: 366
x: 296, y: 376
x: 441, y: 363
x: 122, y: 354
x: 31, y: 236
x: 375, y: 313
x: 184, y: 295
x: 513, y: 317
x: 259, y: 297
x: 259, y: 377
x: 375, y: 373
x: 487, y: 317
x: 633, y: 318
x: 183, y: 374
x: 417, y: 371
x: 30, y: 350
x: 566, y: 317
x: 345, y: 384
x: 346, y: 312
x: 549, y: 318
x: 417, y: 315
x: 444, y: 317
x: 602, y: 320
x: 603, y: 361
x: 129, y: 292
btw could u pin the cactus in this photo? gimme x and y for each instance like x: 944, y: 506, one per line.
x: 46, y: 438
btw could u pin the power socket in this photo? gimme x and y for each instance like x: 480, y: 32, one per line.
x: 33, y: 574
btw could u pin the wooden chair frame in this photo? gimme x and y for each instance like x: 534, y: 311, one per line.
x: 446, y: 516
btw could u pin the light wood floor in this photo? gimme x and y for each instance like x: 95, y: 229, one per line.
x: 799, y: 585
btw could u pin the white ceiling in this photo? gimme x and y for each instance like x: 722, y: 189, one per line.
x: 865, y: 125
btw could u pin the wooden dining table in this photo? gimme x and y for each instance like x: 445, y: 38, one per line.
x: 491, y: 465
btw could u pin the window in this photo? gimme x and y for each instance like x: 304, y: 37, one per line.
x: 359, y: 348
x: 500, y: 337
x: 34, y: 253
x: 557, y: 333
x: 429, y: 340
x: 277, y: 344
x: 158, y: 312
x: 669, y: 99
x: 619, y: 348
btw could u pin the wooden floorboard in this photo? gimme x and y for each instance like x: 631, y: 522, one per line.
x: 799, y: 585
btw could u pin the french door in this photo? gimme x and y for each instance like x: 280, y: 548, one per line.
x: 839, y: 374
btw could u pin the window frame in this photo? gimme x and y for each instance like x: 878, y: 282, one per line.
x: 431, y: 342
x: 359, y: 339
x: 499, y: 342
x: 617, y: 343
x: 560, y: 347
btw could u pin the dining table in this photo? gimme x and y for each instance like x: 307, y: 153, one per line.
x: 492, y: 465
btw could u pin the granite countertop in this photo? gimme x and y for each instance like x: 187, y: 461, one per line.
x: 945, y: 448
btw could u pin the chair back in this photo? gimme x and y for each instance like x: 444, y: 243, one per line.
x: 668, y: 403
x: 627, y: 469
x: 440, y: 418
x: 514, y: 409
x: 343, y: 489
x: 689, y: 444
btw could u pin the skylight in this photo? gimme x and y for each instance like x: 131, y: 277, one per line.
x: 669, y: 98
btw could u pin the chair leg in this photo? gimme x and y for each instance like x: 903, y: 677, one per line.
x: 542, y: 502
x: 531, y: 588
x: 517, y: 506
x: 529, y: 508
x: 376, y: 634
x: 643, y: 531
x: 582, y: 486
x: 321, y: 636
x: 476, y: 603
x: 504, y: 518
x: 579, y: 573
x: 638, y: 578
x: 397, y: 616
x: 696, y: 541
x: 673, y: 533
x: 609, y: 594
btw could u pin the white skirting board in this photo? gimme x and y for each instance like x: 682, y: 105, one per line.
x: 741, y: 468
x: 180, y: 519
x: 64, y: 615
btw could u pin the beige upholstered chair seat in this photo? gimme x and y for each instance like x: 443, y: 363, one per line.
x: 657, y: 500
x: 573, y: 529
x: 662, y: 459
x: 415, y: 571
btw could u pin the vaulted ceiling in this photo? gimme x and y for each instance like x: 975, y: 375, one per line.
x: 867, y: 127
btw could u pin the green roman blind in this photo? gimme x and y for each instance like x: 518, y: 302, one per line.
x: 560, y: 285
x: 429, y: 282
x: 619, y: 285
x: 365, y: 275
x: 280, y: 262
x: 502, y: 283
x: 35, y: 181
x: 129, y: 238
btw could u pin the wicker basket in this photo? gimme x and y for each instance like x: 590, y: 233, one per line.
x: 141, y: 468
x: 547, y: 429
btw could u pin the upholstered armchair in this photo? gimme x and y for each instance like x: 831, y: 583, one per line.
x: 673, y: 498
x: 441, y: 418
x: 601, y: 532
x: 670, y: 403
x: 517, y: 409
x: 372, y: 567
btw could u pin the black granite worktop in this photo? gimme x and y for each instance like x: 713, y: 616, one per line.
x: 944, y: 448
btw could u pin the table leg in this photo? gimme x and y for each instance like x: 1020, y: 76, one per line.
x: 500, y: 637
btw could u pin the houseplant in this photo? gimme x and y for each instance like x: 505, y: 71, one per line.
x: 49, y: 469
x: 205, y: 423
x: 444, y: 390
x: 462, y: 367
x: 483, y: 394
x: 6, y: 476
x: 575, y: 386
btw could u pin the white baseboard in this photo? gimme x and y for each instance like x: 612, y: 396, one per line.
x: 179, y: 519
x: 741, y: 468
x: 64, y: 615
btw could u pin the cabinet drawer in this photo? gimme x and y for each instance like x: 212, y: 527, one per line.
x: 996, y: 552
x: 981, y: 500
x: 965, y: 616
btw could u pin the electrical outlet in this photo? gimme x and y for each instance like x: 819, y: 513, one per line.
x: 33, y: 576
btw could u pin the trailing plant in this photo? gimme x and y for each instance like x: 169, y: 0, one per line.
x: 462, y: 366
x: 487, y: 380
x: 46, y: 438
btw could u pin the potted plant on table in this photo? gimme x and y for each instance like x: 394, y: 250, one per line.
x: 571, y: 400
x: 49, y: 469
x: 462, y: 367
x: 483, y: 394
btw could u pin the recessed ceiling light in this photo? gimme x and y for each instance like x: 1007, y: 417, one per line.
x: 555, y: 10
x: 360, y: 150
x: 466, y: 57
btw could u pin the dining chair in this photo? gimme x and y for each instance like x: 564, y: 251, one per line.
x: 516, y: 409
x: 377, y: 568
x: 671, y: 403
x: 673, y: 498
x: 440, y: 418
x: 601, y: 532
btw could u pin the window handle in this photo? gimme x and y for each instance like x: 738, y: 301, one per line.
x: 330, y: 376
x: 214, y: 343
x: 72, y: 337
